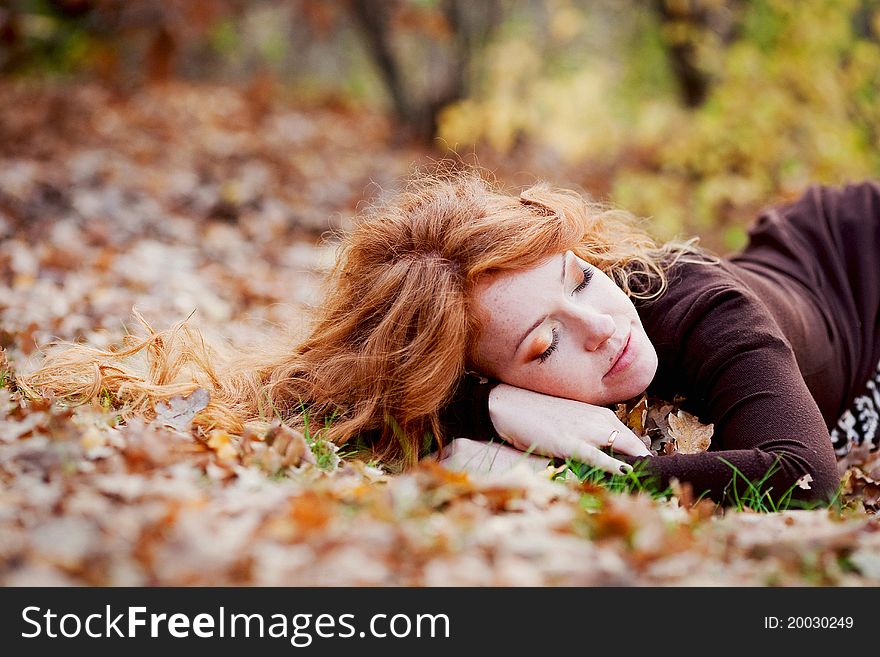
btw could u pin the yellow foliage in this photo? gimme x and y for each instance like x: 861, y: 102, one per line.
x: 794, y: 99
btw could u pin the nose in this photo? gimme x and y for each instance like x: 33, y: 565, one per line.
x: 592, y: 326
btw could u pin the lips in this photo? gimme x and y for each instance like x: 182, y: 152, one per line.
x: 619, y: 354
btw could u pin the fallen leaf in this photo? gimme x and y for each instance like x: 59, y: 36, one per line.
x: 691, y: 436
x: 656, y: 421
x: 635, y: 416
x: 221, y: 443
x: 179, y: 412
x: 804, y: 482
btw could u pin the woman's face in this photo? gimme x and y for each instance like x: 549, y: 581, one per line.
x: 565, y: 329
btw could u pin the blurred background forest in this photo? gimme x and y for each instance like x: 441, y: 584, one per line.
x: 693, y: 113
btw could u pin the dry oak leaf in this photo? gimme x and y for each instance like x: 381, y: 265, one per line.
x: 691, y: 436
x: 857, y: 486
x: 274, y: 447
x: 657, y: 425
x: 634, y: 418
x: 179, y: 412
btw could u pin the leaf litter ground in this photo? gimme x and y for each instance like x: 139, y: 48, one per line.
x: 181, y: 198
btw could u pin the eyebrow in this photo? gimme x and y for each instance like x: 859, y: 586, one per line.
x: 541, y: 319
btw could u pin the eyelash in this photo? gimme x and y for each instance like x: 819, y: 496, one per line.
x: 588, y: 274
x: 553, y: 344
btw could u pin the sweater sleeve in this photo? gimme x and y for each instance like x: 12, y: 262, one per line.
x: 720, y: 347
x: 467, y: 415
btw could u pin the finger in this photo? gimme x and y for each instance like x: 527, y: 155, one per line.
x: 626, y: 442
x: 564, y: 447
x: 595, y: 457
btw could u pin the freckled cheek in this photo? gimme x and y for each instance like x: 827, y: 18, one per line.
x: 565, y: 367
x: 544, y: 379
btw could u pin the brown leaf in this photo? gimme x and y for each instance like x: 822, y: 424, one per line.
x: 634, y: 416
x: 223, y: 445
x: 856, y: 486
x: 657, y: 418
x: 637, y: 417
x: 275, y: 447
x: 691, y: 436
x: 311, y: 511
x: 657, y: 428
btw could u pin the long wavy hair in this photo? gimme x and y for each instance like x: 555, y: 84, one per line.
x: 394, y: 334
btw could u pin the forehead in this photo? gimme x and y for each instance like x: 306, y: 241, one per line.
x: 505, y: 290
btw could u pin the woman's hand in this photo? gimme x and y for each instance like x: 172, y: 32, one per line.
x: 561, y: 428
x: 481, y: 457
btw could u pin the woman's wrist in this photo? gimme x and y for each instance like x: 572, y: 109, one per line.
x: 498, y: 398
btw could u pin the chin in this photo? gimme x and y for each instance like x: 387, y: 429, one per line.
x: 643, y: 373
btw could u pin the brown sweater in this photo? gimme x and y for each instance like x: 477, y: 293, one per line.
x: 771, y: 345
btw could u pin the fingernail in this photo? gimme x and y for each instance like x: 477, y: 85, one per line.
x: 625, y: 469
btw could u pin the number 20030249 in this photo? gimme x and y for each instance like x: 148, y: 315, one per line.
x: 809, y: 622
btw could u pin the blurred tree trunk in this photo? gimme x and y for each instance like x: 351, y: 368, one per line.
x: 863, y: 20
x: 12, y: 51
x: 466, y: 25
x: 683, y: 24
x: 374, y: 18
x: 161, y: 54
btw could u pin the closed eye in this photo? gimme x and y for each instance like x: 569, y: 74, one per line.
x: 554, y: 343
x: 588, y: 274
